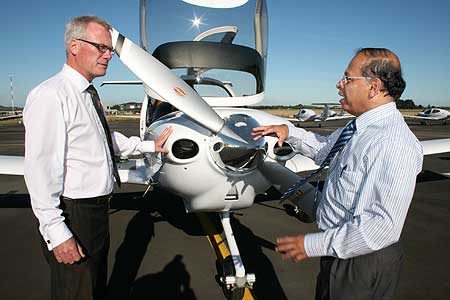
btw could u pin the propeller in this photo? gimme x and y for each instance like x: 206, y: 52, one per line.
x: 166, y: 85
x: 282, y: 179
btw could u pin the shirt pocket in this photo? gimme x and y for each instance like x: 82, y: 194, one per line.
x: 347, y: 185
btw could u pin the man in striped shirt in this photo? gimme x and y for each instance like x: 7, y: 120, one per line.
x: 369, y: 186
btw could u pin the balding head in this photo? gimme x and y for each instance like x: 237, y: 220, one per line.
x: 385, y: 65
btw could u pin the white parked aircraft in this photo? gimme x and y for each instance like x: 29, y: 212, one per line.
x: 307, y: 114
x: 432, y: 114
x: 211, y: 137
x: 10, y: 117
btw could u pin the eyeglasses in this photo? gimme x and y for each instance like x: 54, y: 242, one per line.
x: 100, y: 47
x: 346, y: 79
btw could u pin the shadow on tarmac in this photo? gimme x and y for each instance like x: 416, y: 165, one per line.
x: 173, y: 282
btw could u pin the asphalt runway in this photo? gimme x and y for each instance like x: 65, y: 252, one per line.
x: 160, y: 252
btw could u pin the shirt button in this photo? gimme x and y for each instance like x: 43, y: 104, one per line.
x: 48, y: 241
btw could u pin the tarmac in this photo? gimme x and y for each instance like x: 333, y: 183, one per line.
x: 160, y: 252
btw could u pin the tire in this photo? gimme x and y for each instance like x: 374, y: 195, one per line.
x: 228, y: 270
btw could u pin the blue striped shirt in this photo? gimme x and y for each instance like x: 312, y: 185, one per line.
x: 369, y: 185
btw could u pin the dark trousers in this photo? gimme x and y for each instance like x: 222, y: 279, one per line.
x: 86, y: 279
x: 372, y: 276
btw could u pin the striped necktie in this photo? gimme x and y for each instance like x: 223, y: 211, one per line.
x: 294, y: 191
x: 101, y: 115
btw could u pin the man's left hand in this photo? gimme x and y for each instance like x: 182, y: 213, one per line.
x: 292, y: 247
x: 159, y: 142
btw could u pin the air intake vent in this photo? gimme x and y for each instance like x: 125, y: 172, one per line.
x: 284, y: 150
x: 184, y: 149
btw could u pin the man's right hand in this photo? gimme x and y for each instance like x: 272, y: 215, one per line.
x: 281, y: 131
x: 68, y: 252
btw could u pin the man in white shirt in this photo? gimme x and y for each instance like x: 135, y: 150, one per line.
x: 369, y: 186
x: 69, y: 164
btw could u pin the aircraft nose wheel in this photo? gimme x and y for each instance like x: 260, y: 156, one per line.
x: 231, y: 292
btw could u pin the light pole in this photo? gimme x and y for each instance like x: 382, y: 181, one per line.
x: 12, y: 92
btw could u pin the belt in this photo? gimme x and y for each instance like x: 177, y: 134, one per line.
x: 94, y: 200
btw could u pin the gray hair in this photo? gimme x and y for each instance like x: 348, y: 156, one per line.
x: 76, y: 28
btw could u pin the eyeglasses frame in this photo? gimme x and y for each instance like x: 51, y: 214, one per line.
x: 100, y: 47
x: 345, y: 79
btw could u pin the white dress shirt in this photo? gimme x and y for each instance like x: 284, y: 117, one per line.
x: 66, y: 152
x: 369, y: 185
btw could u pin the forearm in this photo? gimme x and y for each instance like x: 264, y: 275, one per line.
x: 125, y: 146
x: 311, y: 144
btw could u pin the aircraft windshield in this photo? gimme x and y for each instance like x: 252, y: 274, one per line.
x: 245, y: 25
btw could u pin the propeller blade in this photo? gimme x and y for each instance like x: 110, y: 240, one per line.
x: 165, y: 83
x: 282, y: 178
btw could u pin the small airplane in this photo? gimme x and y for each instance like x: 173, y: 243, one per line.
x: 187, y: 85
x: 307, y: 114
x: 11, y: 117
x: 432, y: 114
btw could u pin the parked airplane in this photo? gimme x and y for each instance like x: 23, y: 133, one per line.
x: 10, y: 117
x: 432, y: 114
x: 211, y: 137
x: 307, y: 114
x: 327, y: 114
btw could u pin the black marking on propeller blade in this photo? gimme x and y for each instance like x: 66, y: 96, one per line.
x: 119, y: 44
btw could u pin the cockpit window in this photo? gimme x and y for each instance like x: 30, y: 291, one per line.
x: 242, y: 30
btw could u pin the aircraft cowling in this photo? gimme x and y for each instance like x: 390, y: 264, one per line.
x: 211, y: 172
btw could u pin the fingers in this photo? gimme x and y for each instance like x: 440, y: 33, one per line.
x: 167, y: 132
x: 68, y: 257
x: 68, y: 252
x: 260, y: 131
x: 80, y: 250
x: 280, y: 131
x: 164, y: 135
x: 162, y: 139
x: 162, y: 150
x: 292, y: 247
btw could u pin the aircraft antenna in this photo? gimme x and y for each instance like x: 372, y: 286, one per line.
x: 12, y: 92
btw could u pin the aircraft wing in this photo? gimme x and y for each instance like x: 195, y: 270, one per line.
x: 436, y: 146
x: 293, y: 119
x: 338, y: 118
x: 11, y: 117
x: 138, y: 172
x: 11, y: 165
x: 422, y: 118
x: 132, y: 171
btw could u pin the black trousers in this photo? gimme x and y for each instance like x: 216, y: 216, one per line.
x: 86, y: 279
x: 372, y: 276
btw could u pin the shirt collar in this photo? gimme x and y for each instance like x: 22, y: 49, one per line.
x: 375, y: 115
x: 80, y: 83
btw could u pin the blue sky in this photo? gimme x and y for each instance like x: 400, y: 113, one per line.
x: 310, y: 45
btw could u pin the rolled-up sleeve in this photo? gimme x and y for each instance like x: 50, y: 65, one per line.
x: 45, y: 142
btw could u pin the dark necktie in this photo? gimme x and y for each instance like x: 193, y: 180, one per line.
x: 294, y: 191
x: 101, y: 115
